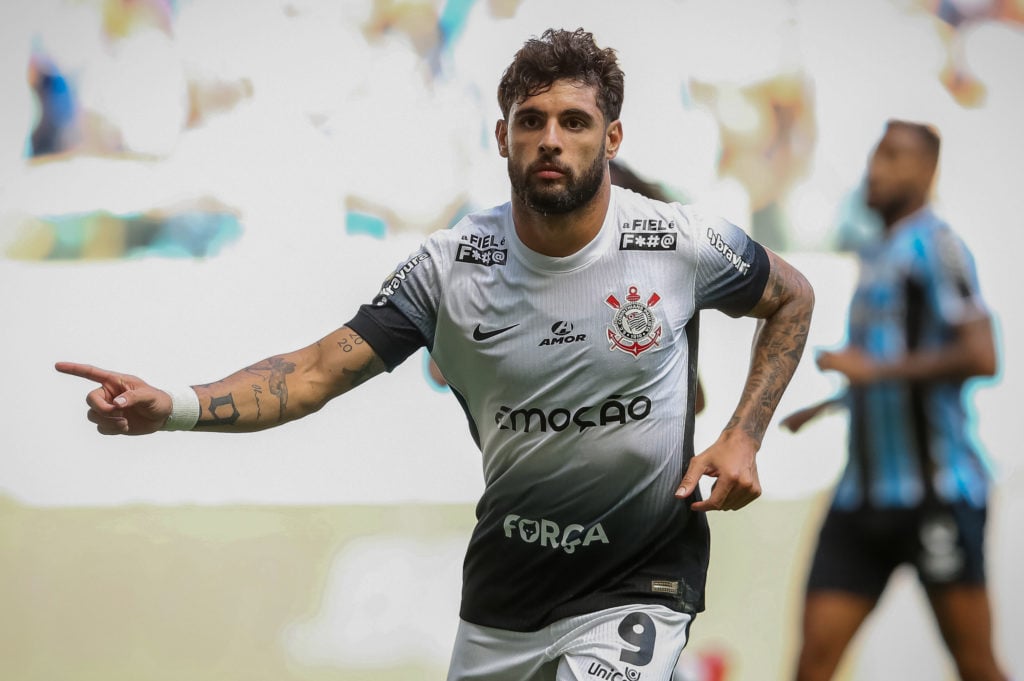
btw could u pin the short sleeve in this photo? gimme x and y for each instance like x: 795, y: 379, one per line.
x: 952, y: 279
x: 732, y: 268
x: 414, y: 288
x: 389, y: 332
x: 403, y: 315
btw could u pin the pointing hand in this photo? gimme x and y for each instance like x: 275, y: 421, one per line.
x: 122, y: 404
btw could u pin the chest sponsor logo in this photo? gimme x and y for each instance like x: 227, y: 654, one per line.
x: 395, y: 281
x: 648, y: 235
x: 734, y: 258
x: 561, y: 334
x: 611, y: 411
x: 635, y: 327
x: 544, y: 532
x: 481, y: 249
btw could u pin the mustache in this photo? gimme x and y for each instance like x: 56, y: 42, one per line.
x: 548, y: 164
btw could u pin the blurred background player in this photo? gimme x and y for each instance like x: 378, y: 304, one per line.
x: 915, y: 488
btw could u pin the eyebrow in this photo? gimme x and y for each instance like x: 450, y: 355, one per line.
x: 535, y: 111
x: 578, y: 112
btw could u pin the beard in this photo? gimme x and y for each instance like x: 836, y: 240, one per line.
x: 547, y: 197
x: 887, y: 207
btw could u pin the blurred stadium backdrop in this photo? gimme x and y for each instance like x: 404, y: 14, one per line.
x: 187, y: 186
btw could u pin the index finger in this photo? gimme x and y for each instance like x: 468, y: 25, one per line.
x: 87, y: 371
x: 691, y: 478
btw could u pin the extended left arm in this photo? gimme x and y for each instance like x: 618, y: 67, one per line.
x: 784, y: 313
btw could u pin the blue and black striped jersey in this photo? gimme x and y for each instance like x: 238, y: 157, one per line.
x: 912, y: 439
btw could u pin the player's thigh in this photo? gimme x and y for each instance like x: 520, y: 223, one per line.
x: 486, y: 654
x: 624, y: 644
x: 858, y: 551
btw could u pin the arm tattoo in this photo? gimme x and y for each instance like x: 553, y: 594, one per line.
x: 778, y: 345
x: 349, y: 343
x: 278, y: 384
x: 222, y: 411
x: 257, y: 390
x: 276, y: 370
x: 370, y: 368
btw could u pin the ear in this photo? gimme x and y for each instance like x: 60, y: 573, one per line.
x: 501, y: 135
x: 613, y: 138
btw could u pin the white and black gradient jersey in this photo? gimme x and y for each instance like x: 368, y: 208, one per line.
x: 577, y: 375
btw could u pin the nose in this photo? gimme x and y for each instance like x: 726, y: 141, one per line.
x: 551, y: 140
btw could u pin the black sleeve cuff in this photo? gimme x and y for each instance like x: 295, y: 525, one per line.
x: 389, y: 332
x: 753, y: 287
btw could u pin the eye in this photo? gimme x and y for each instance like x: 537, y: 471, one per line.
x: 530, y: 122
x: 575, y: 124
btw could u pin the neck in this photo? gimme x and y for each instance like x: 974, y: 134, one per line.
x: 893, y: 214
x: 563, y: 234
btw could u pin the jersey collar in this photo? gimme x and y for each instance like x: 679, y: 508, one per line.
x: 581, y: 258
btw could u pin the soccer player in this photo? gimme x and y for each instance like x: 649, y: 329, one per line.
x: 914, y: 489
x: 565, y: 323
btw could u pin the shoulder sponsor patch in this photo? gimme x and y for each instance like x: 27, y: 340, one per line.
x: 394, y: 282
x: 734, y: 258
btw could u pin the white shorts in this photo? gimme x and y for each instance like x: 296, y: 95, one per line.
x: 626, y: 643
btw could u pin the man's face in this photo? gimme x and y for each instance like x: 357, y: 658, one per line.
x: 900, y: 170
x: 557, y: 145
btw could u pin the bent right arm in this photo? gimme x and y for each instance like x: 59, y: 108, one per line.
x: 273, y: 391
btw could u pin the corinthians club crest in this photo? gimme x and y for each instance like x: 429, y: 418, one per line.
x: 634, y: 328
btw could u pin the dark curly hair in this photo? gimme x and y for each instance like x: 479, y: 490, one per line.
x: 928, y: 135
x: 563, y: 55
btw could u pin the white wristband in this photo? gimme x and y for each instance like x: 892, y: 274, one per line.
x: 184, y: 410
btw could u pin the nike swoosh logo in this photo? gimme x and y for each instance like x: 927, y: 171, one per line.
x: 479, y: 335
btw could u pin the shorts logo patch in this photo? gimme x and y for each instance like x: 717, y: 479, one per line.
x: 942, y: 559
x: 598, y: 670
x: 635, y: 328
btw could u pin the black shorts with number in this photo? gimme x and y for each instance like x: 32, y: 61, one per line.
x: 858, y: 550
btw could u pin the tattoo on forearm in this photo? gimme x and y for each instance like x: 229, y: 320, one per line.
x: 278, y: 384
x: 218, y: 409
x: 276, y: 370
x: 257, y: 390
x: 778, y: 346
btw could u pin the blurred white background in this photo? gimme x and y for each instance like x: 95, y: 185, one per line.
x: 187, y: 187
